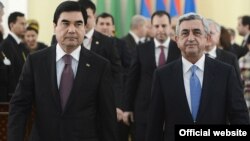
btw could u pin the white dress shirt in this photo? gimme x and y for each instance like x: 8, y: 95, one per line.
x: 88, y: 39
x: 212, y: 53
x: 60, y: 62
x: 187, y: 74
x: 158, y: 49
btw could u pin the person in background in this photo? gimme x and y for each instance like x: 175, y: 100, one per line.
x: 1, y: 20
x: 195, y: 89
x: 149, y: 31
x: 14, y: 50
x: 102, y: 45
x: 149, y: 55
x: 105, y: 25
x: 136, y: 34
x: 214, y: 50
x: 243, y: 28
x: 236, y: 49
x: 69, y: 86
x: 31, y: 37
x: 4, y: 64
x: 225, y: 41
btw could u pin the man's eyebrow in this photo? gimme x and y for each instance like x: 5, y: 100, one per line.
x: 63, y: 20
x: 79, y: 21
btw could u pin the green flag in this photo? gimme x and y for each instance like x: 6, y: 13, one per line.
x: 100, y: 6
x: 115, y: 10
x: 130, y: 12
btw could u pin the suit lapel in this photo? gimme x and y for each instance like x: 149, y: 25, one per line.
x: 50, y: 63
x: 180, y: 91
x: 152, y: 54
x: 95, y: 42
x: 208, y: 80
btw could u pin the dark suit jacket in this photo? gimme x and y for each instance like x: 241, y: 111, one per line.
x: 4, y: 76
x: 245, y: 49
x: 125, y: 63
x: 231, y: 59
x: 222, y: 99
x: 15, y: 53
x: 89, y: 114
x: 138, y: 86
x: 131, y: 44
x: 104, y: 46
x: 235, y: 49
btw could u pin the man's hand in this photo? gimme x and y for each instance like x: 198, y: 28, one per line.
x: 119, y: 114
x: 128, y: 117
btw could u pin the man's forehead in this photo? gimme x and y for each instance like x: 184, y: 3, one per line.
x: 68, y: 15
x: 191, y: 24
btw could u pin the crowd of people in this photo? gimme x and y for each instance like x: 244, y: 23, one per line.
x: 91, y: 85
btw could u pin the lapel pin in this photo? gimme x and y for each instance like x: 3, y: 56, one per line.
x: 6, y: 61
x: 97, y: 42
x: 87, y: 65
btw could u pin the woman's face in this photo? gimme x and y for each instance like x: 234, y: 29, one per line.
x: 30, y: 39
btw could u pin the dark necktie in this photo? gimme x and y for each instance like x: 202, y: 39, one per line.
x: 140, y: 42
x: 195, y: 91
x: 161, y: 60
x: 67, y: 79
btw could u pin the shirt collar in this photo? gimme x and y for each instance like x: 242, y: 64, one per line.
x: 187, y: 65
x: 136, y: 38
x: 90, y: 33
x: 212, y: 52
x: 165, y: 44
x: 60, y: 53
x: 246, y: 37
x: 17, y: 39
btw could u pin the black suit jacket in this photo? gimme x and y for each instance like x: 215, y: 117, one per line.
x: 104, y: 46
x: 131, y: 44
x: 222, y: 99
x: 89, y: 114
x: 4, y: 76
x: 236, y: 50
x: 245, y: 49
x: 231, y: 59
x: 125, y: 64
x: 16, y: 54
x: 138, y: 86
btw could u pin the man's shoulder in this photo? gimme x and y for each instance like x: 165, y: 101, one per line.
x: 93, y: 56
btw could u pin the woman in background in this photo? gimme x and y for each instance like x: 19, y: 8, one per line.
x: 31, y: 36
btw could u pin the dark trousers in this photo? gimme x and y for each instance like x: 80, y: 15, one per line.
x: 125, y: 133
x: 140, y: 131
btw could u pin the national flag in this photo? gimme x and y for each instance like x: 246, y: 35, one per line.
x: 161, y: 5
x: 190, y: 6
x: 146, y: 7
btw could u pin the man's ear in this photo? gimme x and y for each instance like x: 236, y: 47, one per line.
x: 176, y: 38
x: 209, y: 38
x: 54, y: 25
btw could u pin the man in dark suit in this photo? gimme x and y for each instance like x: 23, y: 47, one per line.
x: 105, y: 25
x: 147, y: 59
x: 85, y: 109
x: 215, y: 52
x: 102, y: 45
x: 219, y: 98
x: 13, y: 49
x: 235, y: 48
x: 137, y: 33
x: 244, y: 30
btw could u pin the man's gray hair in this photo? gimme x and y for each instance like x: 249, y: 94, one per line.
x: 217, y: 26
x: 137, y: 21
x: 192, y: 16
